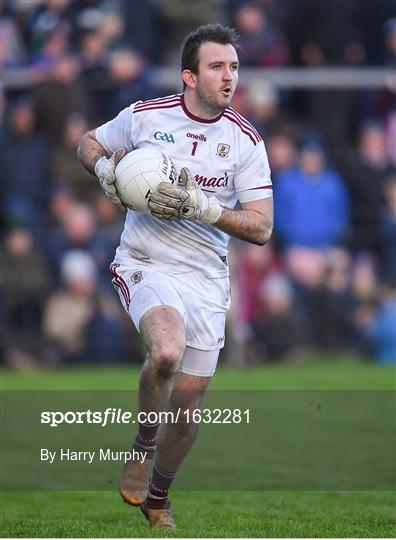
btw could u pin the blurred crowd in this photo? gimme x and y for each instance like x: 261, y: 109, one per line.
x: 327, y: 280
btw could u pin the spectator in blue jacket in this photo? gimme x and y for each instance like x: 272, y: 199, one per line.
x: 311, y: 202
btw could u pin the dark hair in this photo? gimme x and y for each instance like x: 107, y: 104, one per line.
x: 216, y: 33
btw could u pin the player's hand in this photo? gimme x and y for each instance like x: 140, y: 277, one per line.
x: 105, y: 171
x: 184, y: 202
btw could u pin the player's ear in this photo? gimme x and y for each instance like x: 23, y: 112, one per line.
x: 189, y: 78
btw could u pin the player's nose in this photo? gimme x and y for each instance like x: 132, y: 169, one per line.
x: 227, y: 74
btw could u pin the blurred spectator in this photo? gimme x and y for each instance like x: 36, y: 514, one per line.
x: 94, y: 73
x: 365, y: 289
x: 306, y: 268
x: 20, y: 7
x: 60, y: 96
x: 365, y: 280
x: 281, y: 154
x: 390, y: 37
x: 50, y: 16
x: 93, y: 51
x: 371, y: 19
x: 267, y: 324
x: 68, y: 311
x: 336, y: 328
x: 108, y: 69
x: 23, y: 282
x: 240, y: 100
x: 381, y: 330
x: 277, y: 332
x: 12, y: 50
x: 325, y: 33
x: 365, y: 178
x: 112, y: 30
x: 262, y: 42
x: 385, y: 104
x: 311, y: 203
x: 129, y: 80
x: 324, y: 297
x: 87, y: 15
x: 253, y: 265
x: 144, y: 28
x: 60, y: 204
x: 110, y: 221
x: 78, y: 232
x: 387, y: 230
x: 54, y: 47
x: 176, y: 19
x: 79, y: 325
x: 66, y: 169
x: 24, y: 166
x: 262, y: 104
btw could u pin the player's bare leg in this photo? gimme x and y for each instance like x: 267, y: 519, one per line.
x: 163, y: 333
x: 174, y: 443
x: 176, y: 439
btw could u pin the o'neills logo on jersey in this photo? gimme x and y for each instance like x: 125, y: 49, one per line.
x: 196, y: 136
x: 204, y: 181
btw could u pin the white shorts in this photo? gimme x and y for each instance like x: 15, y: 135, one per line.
x: 201, y: 302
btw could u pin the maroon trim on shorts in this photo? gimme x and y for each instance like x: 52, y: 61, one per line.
x: 120, y: 283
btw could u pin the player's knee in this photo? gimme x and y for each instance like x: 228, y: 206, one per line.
x: 166, y: 366
x: 166, y: 359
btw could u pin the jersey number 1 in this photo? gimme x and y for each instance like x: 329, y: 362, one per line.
x: 194, y: 148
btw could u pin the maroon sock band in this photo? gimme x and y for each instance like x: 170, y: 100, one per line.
x: 146, y: 439
x: 148, y: 432
x: 160, y: 484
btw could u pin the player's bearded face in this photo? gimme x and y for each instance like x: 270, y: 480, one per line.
x: 217, y: 76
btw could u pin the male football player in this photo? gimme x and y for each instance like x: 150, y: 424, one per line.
x: 171, y: 268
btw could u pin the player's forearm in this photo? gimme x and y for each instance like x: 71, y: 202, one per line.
x: 89, y: 151
x: 248, y: 225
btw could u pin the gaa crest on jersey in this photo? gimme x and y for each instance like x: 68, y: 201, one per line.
x: 162, y: 136
x: 137, y: 277
x: 223, y: 150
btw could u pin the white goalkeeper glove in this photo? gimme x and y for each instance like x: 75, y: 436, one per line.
x: 184, y: 202
x: 105, y: 171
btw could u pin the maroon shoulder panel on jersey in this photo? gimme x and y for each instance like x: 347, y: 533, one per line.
x: 247, y: 132
x: 247, y: 125
x: 159, y: 103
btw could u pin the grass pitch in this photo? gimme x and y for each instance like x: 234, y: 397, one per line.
x: 198, y: 514
x: 210, y: 513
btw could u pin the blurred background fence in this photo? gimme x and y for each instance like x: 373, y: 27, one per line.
x: 317, y: 81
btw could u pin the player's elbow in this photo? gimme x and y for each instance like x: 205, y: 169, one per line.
x: 86, y: 141
x: 80, y: 147
x: 261, y: 240
x: 264, y: 233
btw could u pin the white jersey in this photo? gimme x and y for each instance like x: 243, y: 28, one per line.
x: 227, y: 158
